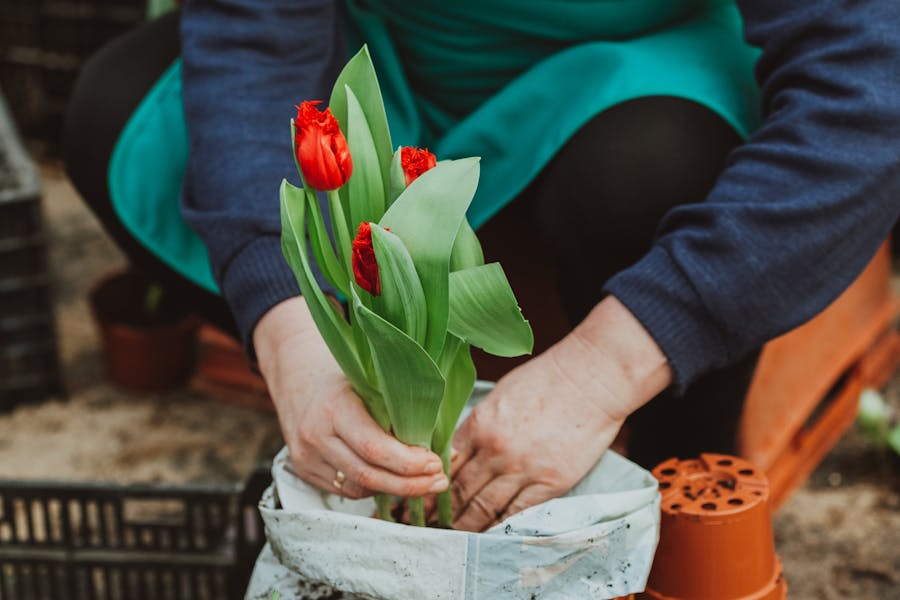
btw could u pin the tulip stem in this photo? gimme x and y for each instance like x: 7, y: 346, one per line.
x: 444, y: 499
x: 383, y: 502
x: 416, y: 507
x: 340, y: 226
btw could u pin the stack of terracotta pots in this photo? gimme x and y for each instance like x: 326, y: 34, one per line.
x: 716, y: 539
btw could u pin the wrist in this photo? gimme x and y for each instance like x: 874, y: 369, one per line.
x: 290, y: 322
x: 284, y: 321
x: 620, y: 354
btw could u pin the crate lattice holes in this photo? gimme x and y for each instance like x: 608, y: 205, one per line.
x: 43, y: 45
x: 29, y: 366
x: 65, y: 541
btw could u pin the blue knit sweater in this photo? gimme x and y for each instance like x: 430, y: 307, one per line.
x: 794, y: 218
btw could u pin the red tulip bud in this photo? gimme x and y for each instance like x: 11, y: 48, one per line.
x: 365, y: 268
x: 415, y: 161
x: 322, y: 150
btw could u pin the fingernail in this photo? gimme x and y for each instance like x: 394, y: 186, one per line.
x: 434, y: 466
x: 438, y: 486
x: 454, y: 453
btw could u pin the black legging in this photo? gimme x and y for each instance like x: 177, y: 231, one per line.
x: 618, y: 176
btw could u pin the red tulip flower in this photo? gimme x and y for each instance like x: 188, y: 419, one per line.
x: 322, y: 151
x: 415, y: 161
x: 365, y: 267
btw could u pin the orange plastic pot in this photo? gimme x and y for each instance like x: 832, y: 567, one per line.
x: 141, y: 354
x: 805, y: 393
x: 716, y: 538
x: 223, y: 372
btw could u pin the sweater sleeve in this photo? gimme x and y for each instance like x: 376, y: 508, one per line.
x: 245, y: 64
x: 801, y: 208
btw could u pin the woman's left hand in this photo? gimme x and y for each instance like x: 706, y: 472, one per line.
x: 548, y: 422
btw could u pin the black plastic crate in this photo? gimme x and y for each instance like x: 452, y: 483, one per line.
x: 29, y: 366
x: 43, y: 44
x: 18, y: 329
x: 95, y: 541
x: 22, y: 256
x: 20, y: 189
x: 25, y: 297
x: 81, y: 27
x: 19, y: 22
x: 19, y: 217
x: 28, y: 369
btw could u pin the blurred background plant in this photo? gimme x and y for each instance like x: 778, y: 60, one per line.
x: 879, y: 421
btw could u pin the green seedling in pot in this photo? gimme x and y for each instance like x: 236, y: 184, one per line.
x: 152, y: 300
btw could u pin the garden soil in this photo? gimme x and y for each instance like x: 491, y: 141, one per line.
x: 837, y: 536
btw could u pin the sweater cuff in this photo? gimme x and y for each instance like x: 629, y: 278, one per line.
x: 258, y: 278
x: 662, y: 298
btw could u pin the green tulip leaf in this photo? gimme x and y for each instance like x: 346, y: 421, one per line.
x: 466, y: 249
x: 294, y: 152
x: 365, y: 357
x: 343, y: 238
x: 366, y: 191
x: 398, y: 178
x: 323, y: 251
x: 484, y: 312
x: 411, y: 383
x: 359, y: 75
x: 459, y: 372
x: 402, y: 301
x: 427, y: 217
x: 332, y: 326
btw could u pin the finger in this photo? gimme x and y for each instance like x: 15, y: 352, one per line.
x: 346, y: 489
x: 473, y: 476
x: 370, y: 442
x: 486, y: 506
x: 368, y: 477
x: 311, y: 468
x: 457, y: 460
x: 531, y: 495
x: 332, y: 480
x: 320, y: 474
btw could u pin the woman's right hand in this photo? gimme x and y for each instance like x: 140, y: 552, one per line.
x: 325, y: 425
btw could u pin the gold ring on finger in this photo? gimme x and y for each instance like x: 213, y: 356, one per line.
x: 339, y: 479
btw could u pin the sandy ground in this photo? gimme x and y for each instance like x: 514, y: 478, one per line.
x: 837, y: 536
x: 100, y: 431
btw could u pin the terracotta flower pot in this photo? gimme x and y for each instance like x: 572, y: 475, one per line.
x: 716, y: 538
x: 223, y: 372
x: 142, y: 352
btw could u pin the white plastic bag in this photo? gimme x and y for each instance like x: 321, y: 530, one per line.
x: 597, y: 541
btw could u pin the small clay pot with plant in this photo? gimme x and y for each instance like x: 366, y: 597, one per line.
x: 149, y: 341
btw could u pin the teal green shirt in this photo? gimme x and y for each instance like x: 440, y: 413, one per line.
x: 507, y: 80
x: 511, y: 80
